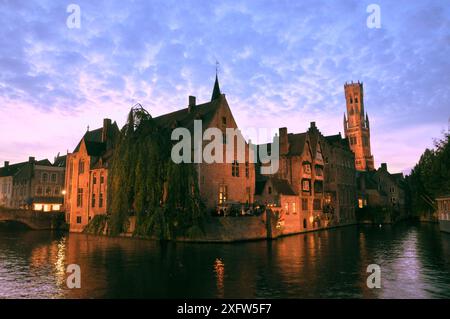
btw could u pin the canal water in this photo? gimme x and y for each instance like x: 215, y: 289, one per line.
x: 414, y: 261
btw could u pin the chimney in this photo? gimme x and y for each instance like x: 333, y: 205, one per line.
x: 191, y: 103
x: 6, y: 163
x: 384, y: 166
x: 106, y: 125
x: 284, y: 144
x: 31, y: 159
x: 312, y: 124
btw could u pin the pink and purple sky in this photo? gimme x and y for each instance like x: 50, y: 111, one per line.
x: 282, y: 63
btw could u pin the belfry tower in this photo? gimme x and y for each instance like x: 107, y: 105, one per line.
x: 356, y: 126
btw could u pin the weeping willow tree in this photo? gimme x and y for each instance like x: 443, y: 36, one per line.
x: 145, y: 182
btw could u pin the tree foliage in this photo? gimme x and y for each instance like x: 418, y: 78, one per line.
x: 146, y: 183
x: 430, y: 177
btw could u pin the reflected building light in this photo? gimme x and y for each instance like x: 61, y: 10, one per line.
x: 219, y: 270
x: 60, y: 269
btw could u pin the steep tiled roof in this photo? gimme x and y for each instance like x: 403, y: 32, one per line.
x: 282, y: 186
x: 185, y: 117
x: 296, y: 143
x: 95, y: 148
x: 11, y: 170
x: 96, y: 135
x: 60, y: 161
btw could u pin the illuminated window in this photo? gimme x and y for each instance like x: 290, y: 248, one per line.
x: 294, y: 209
x: 307, y: 168
x: 306, y: 185
x: 222, y: 194
x: 360, y: 203
x: 286, y: 208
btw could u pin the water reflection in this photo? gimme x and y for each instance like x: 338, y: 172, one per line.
x: 414, y: 259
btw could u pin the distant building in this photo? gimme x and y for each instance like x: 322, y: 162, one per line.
x: 356, y: 126
x: 36, y: 185
x: 379, y: 188
x: 7, y: 173
x: 87, y: 175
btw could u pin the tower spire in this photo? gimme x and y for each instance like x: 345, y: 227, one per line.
x: 216, y: 91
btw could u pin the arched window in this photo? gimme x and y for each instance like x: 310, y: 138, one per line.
x: 57, y: 192
x: 39, y: 190
x: 48, y: 191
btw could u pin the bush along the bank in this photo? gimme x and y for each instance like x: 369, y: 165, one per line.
x: 430, y: 178
x: 145, y: 182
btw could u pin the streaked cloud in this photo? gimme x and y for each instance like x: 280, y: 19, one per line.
x: 282, y: 63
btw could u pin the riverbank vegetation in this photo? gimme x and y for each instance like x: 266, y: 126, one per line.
x: 144, y: 182
x: 430, y: 178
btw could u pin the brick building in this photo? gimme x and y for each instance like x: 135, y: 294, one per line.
x: 36, y: 185
x: 356, y: 126
x: 87, y: 175
x: 220, y: 184
x: 340, y: 179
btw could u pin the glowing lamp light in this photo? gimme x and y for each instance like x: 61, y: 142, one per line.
x: 63, y: 192
x: 311, y: 219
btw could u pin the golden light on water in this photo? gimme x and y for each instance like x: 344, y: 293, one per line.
x: 219, y: 270
x: 60, y: 269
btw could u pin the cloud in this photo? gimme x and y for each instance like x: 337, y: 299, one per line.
x: 285, y: 62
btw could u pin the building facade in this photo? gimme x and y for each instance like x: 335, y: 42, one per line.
x: 36, y: 185
x: 87, y: 176
x: 221, y: 183
x: 340, y: 179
